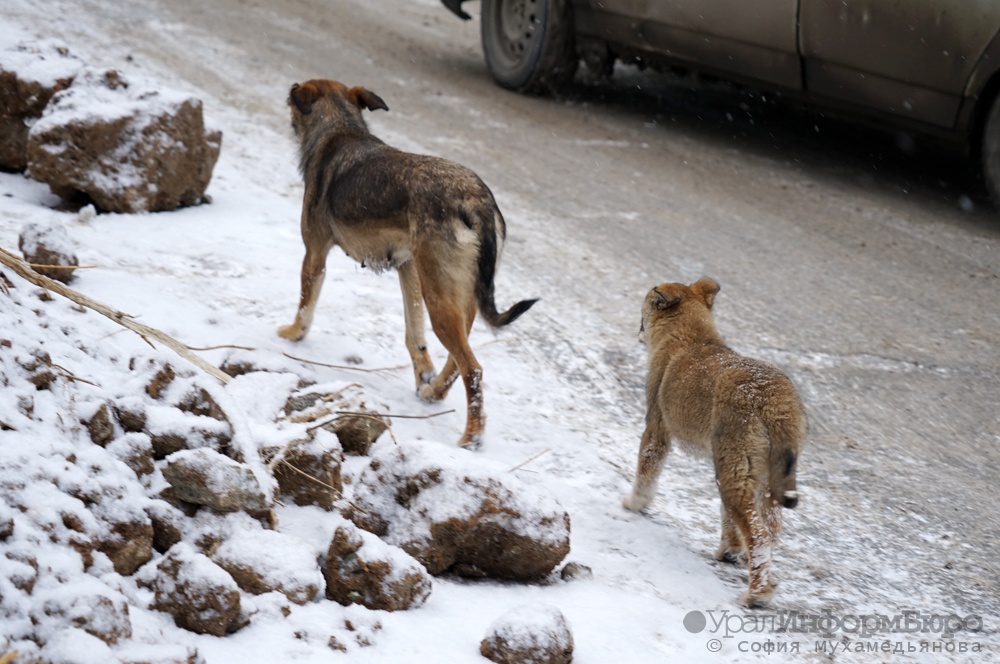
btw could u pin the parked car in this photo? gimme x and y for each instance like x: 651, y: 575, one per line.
x: 928, y: 66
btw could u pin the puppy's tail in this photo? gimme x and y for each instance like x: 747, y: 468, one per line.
x: 489, y: 249
x: 786, y: 438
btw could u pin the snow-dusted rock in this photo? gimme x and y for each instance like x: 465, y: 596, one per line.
x: 161, y: 380
x: 201, y: 596
x: 104, y: 513
x: 531, y: 634
x: 74, y: 646
x: 205, y: 477
x: 135, y: 450
x: 6, y: 523
x: 362, y: 569
x: 263, y: 561
x: 128, y: 144
x: 309, y: 472
x: 30, y: 74
x: 455, y: 516
x: 168, y: 524
x: 171, y: 430
x: 575, y: 571
x: 100, y: 424
x: 127, y: 540
x: 357, y: 432
x: 48, y: 247
x: 87, y: 606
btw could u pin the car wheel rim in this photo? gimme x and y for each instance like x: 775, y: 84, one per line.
x: 517, y: 27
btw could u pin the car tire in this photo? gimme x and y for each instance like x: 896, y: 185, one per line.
x: 990, y: 152
x: 529, y: 44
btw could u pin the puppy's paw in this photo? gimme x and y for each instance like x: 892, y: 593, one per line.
x: 727, y: 555
x: 291, y: 332
x: 636, y: 502
x: 759, y: 600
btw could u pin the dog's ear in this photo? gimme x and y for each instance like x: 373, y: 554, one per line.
x: 706, y: 288
x: 662, y: 302
x: 366, y: 99
x: 303, y: 96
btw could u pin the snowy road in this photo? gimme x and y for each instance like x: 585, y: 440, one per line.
x: 866, y: 269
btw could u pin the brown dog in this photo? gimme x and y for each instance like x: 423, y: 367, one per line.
x: 745, y: 413
x: 432, y: 220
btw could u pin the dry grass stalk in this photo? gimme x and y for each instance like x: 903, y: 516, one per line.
x: 144, y: 331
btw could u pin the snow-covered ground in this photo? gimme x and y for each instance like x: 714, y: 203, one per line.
x: 227, y: 274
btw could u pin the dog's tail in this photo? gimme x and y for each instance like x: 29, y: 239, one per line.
x: 786, y: 435
x: 489, y: 250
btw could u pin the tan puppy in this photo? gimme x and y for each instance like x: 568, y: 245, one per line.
x: 432, y: 220
x: 745, y: 413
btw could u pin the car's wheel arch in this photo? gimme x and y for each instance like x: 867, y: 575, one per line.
x: 981, y: 90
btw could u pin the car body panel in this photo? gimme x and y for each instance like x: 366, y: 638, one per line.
x: 911, y: 58
x: 748, y: 39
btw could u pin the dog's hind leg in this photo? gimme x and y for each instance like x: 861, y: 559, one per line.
x: 438, y: 388
x: 741, y: 500
x: 731, y: 547
x: 313, y: 273
x: 451, y: 325
x: 413, y: 310
x: 652, y: 452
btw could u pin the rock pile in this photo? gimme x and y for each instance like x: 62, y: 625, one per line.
x: 161, y: 495
x: 125, y: 143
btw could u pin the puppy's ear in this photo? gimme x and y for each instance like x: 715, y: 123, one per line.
x: 366, y: 99
x: 303, y: 96
x: 661, y: 302
x: 706, y: 288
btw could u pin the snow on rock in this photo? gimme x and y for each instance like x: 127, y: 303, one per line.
x: 85, y: 603
x: 128, y: 143
x: 135, y: 450
x: 160, y: 653
x: 263, y: 561
x: 99, y: 424
x: 76, y: 646
x: 49, y: 249
x: 530, y: 634
x: 359, y: 430
x: 309, y: 471
x: 201, y: 596
x: 30, y: 74
x: 362, y: 569
x: 240, y: 362
x: 206, y: 477
x: 168, y: 524
x: 455, y: 515
x: 356, y: 425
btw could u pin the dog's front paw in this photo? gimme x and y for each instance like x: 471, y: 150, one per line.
x: 636, y: 502
x: 468, y: 442
x: 291, y: 332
